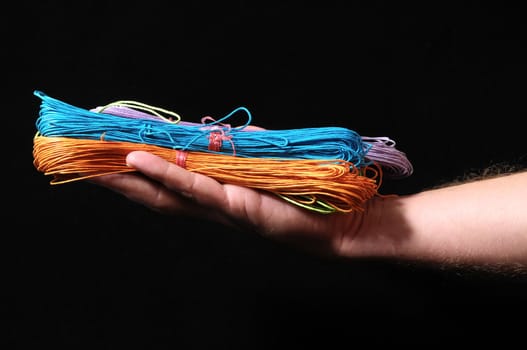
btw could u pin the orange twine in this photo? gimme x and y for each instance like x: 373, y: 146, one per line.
x: 304, y: 181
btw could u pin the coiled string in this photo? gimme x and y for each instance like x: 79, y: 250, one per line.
x: 321, y: 185
x: 57, y: 118
x: 394, y: 162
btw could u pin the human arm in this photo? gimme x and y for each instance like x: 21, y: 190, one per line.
x: 481, y: 222
x: 474, y: 223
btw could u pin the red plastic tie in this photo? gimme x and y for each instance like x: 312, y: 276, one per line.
x: 181, y: 159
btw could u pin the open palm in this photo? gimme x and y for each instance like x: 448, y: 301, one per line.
x: 170, y: 189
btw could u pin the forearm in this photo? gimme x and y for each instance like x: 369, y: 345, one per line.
x: 481, y: 222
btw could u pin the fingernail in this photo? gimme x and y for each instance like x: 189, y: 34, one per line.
x: 186, y: 194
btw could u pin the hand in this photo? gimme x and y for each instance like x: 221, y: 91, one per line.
x: 454, y: 225
x: 170, y: 189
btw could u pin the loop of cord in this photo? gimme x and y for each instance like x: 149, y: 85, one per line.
x: 321, y: 185
x: 57, y: 118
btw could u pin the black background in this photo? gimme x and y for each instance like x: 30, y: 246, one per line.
x: 86, y: 268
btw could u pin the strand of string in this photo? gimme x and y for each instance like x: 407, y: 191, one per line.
x: 57, y: 118
x: 157, y: 113
x: 325, y: 186
x: 383, y: 152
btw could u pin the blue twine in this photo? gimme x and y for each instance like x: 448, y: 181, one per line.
x: 60, y: 119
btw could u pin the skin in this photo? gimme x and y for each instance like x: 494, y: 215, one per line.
x: 481, y: 222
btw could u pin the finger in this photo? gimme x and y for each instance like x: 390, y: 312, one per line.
x: 263, y: 212
x: 235, y: 201
x: 253, y: 128
x: 225, y: 202
x: 148, y: 193
x: 202, y: 189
